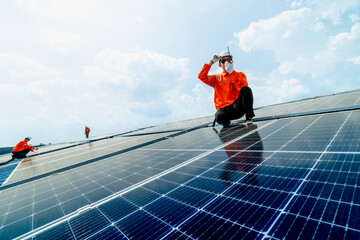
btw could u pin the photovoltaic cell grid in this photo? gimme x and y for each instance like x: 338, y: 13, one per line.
x: 290, y: 178
x: 319, y: 103
x: 5, y: 171
x: 64, y: 158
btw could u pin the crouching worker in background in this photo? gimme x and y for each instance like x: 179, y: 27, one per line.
x: 22, y: 148
x: 233, y: 98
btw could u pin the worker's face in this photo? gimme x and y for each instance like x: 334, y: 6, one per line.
x: 26, y: 139
x: 223, y: 60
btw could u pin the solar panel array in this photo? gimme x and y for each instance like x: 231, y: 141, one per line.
x: 5, y: 171
x: 288, y: 178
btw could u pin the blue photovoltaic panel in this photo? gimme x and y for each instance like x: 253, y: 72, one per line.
x: 5, y: 171
x: 291, y: 178
x: 64, y: 159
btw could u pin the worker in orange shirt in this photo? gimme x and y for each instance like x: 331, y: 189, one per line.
x: 233, y: 98
x: 22, y: 148
x: 87, y: 131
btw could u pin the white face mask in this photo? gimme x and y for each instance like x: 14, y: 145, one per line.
x: 229, y: 67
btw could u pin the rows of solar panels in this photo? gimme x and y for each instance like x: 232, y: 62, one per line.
x: 293, y: 177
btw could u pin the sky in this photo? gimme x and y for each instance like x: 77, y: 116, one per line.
x: 118, y: 65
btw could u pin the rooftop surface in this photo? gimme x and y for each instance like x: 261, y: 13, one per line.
x: 292, y: 174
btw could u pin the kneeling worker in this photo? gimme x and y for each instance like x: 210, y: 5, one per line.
x: 22, y: 148
x: 233, y: 98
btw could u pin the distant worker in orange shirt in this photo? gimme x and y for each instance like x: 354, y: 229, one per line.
x: 233, y: 98
x: 87, y: 131
x: 22, y: 148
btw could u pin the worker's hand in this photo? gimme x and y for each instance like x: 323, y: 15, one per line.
x: 215, y: 58
x: 36, y: 148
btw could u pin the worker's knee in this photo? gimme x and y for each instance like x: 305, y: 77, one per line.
x: 19, y: 155
x: 245, y: 90
x: 221, y: 117
x: 25, y: 151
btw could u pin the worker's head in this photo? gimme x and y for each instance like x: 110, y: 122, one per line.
x: 226, y: 62
x: 27, y: 139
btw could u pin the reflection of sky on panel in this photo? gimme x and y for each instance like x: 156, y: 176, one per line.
x: 320, y: 103
x: 176, y: 125
x: 41, y: 164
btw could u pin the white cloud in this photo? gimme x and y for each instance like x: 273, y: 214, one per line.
x: 310, y: 56
x: 296, y: 38
x: 62, y: 42
x: 280, y: 32
x: 120, y: 91
x: 64, y: 8
x: 299, y: 41
x: 343, y: 39
x: 290, y: 88
x: 354, y: 60
x: 333, y: 14
x: 354, y: 17
x: 22, y: 69
x: 149, y: 85
x: 186, y: 106
x: 130, y: 70
x: 295, y: 4
x: 333, y: 11
x: 275, y: 91
x: 138, y: 19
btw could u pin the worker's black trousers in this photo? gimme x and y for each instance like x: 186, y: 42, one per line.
x: 21, y: 154
x: 242, y: 105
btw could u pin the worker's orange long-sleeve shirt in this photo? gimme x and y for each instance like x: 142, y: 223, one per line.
x: 22, y: 145
x: 227, y: 86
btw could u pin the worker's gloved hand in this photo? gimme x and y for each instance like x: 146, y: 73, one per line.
x: 215, y: 58
x: 36, y: 148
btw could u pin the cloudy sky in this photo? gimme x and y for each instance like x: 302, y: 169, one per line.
x: 119, y: 65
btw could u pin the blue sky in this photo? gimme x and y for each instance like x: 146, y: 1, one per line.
x: 121, y: 65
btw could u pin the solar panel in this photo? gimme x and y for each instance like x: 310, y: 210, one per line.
x: 313, y: 104
x: 296, y: 177
x: 5, y: 171
x: 65, y: 159
x: 175, y: 126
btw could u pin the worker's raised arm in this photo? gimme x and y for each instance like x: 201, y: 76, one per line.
x: 203, y: 75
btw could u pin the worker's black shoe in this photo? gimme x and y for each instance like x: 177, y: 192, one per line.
x: 227, y: 124
x: 248, y: 118
x: 248, y: 121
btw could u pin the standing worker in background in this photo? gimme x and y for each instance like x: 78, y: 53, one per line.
x: 87, y: 131
x: 233, y: 98
x: 22, y: 148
